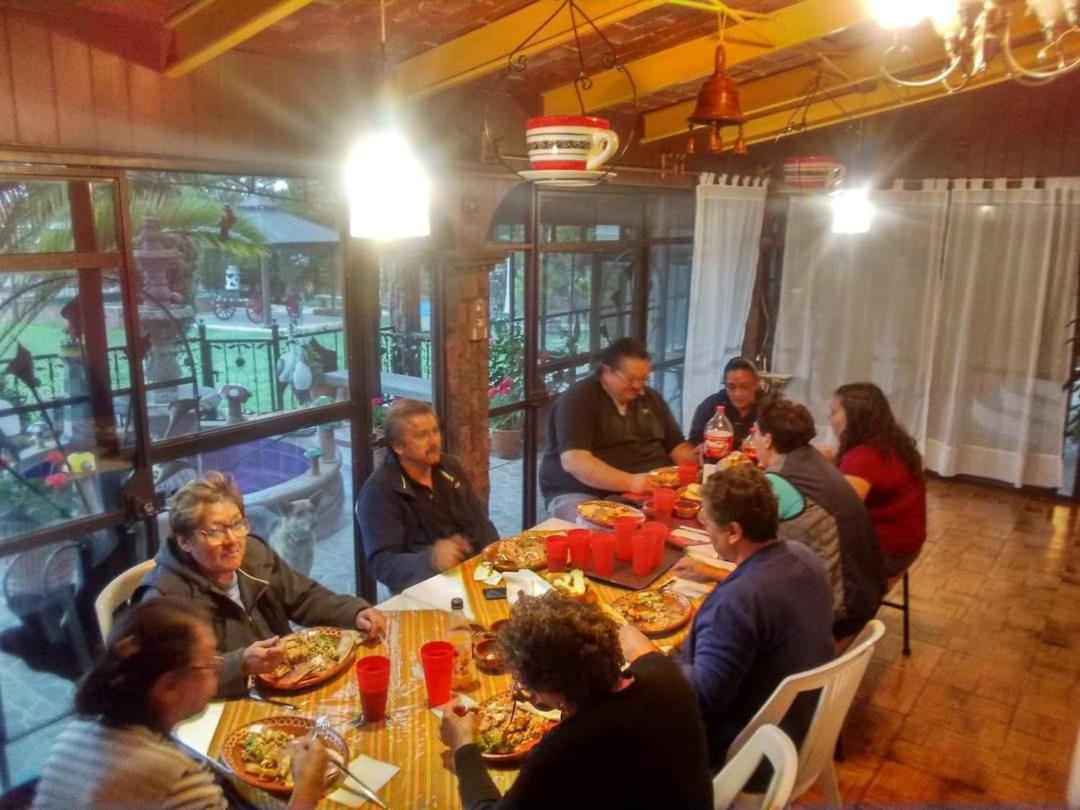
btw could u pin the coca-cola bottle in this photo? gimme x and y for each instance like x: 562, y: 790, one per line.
x: 719, y: 436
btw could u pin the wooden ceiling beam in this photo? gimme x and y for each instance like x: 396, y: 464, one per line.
x: 797, y: 24
x: 780, y: 97
x: 208, y: 28
x: 486, y: 49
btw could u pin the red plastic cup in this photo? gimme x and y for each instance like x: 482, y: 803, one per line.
x: 624, y: 531
x: 659, y: 532
x: 558, y: 546
x: 688, y: 473
x: 603, y: 553
x: 437, y: 658
x: 373, y: 677
x: 644, y: 544
x: 664, y: 500
x: 579, y: 547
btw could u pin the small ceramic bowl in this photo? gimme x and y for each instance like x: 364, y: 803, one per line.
x: 490, y: 657
x: 687, y: 510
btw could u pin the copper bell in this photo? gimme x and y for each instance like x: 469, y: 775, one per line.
x: 718, y: 99
x: 740, y: 144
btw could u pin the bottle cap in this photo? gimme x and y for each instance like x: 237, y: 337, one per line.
x: 457, y: 604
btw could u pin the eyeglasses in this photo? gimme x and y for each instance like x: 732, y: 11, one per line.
x: 635, y: 381
x: 215, y: 665
x: 216, y: 535
x: 741, y: 386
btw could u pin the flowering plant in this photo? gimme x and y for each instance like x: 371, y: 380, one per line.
x: 503, y: 393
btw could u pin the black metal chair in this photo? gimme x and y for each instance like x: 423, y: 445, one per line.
x: 902, y: 606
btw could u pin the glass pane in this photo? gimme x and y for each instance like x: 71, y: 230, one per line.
x: 505, y: 471
x: 297, y: 492
x: 65, y: 406
x: 405, y: 340
x: 242, y: 296
x: 669, y: 300
x: 36, y: 216
x: 590, y: 217
x: 671, y: 216
x: 512, y: 217
x: 668, y: 382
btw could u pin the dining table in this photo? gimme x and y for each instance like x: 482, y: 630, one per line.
x: 408, y: 739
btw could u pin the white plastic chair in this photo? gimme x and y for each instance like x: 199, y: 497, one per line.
x: 838, y: 681
x: 117, y: 592
x: 767, y: 742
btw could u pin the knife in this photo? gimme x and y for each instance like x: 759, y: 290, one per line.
x: 363, y: 789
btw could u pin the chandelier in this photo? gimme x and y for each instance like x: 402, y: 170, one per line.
x: 973, y: 30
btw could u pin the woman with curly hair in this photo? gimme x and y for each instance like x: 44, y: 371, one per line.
x: 882, y: 463
x: 630, y: 739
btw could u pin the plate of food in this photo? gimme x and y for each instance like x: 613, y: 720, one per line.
x: 573, y: 584
x: 666, y: 477
x: 736, y: 459
x: 692, y: 492
x: 655, y: 612
x: 603, y: 513
x: 525, y: 550
x: 312, y: 655
x: 505, y: 732
x: 257, y: 752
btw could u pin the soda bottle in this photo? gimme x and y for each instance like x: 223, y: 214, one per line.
x: 748, y: 444
x: 459, y: 634
x: 719, y: 436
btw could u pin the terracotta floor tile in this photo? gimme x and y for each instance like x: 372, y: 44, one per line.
x: 1059, y: 729
x: 871, y: 729
x: 891, y: 687
x: 1007, y: 648
x: 988, y: 679
x: 923, y: 658
x: 897, y: 784
x: 924, y: 724
x: 937, y: 697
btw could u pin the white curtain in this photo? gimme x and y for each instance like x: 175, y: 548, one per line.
x: 1000, y: 355
x: 727, y: 232
x: 857, y: 307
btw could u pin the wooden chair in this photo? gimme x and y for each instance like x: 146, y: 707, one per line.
x: 117, y: 592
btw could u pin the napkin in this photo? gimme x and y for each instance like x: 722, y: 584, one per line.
x: 553, y: 524
x: 528, y: 582
x: 687, y: 537
x: 197, y: 732
x: 464, y: 700
x: 708, y: 555
x: 371, y: 772
x: 486, y: 574
x: 689, y: 588
x: 439, y: 590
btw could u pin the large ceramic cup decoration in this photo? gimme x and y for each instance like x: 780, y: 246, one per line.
x: 813, y: 173
x: 570, y: 142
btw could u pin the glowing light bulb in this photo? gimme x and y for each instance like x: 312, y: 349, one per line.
x: 852, y: 211
x: 896, y: 14
x: 387, y: 188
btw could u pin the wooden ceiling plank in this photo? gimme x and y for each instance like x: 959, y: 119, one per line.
x: 209, y: 28
x: 789, y: 27
x: 784, y: 91
x: 485, y: 50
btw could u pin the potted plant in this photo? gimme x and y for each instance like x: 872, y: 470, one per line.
x: 505, y: 429
x: 506, y: 358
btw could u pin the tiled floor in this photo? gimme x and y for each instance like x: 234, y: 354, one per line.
x: 985, y: 710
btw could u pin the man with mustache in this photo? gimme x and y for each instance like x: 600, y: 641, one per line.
x: 417, y: 513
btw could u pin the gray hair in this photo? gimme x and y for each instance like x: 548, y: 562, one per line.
x: 185, y: 508
x: 397, y: 414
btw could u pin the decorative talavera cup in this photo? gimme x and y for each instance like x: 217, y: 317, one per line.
x: 569, y: 142
x: 813, y: 173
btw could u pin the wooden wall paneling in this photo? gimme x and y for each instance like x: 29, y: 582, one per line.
x: 147, y: 118
x: 112, y: 101
x: 33, y: 83
x: 74, y: 93
x: 261, y: 78
x: 1068, y: 120
x: 236, y: 123
x: 1020, y: 136
x: 8, y: 127
x: 177, y: 116
x: 293, y: 92
x: 206, y: 102
x: 1039, y: 133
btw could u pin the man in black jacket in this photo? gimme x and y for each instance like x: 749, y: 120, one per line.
x: 417, y: 513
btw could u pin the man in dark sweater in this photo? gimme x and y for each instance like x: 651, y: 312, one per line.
x: 626, y: 740
x: 607, y: 432
x: 417, y: 513
x: 846, y: 540
x: 768, y: 619
x: 738, y: 395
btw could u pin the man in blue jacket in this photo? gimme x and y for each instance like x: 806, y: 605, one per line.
x: 417, y: 513
x: 770, y: 618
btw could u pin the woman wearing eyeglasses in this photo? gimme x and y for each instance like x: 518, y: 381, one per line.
x: 250, y: 593
x: 739, y: 396
x: 159, y: 667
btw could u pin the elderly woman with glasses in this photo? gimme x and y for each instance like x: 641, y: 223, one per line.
x: 159, y: 668
x: 635, y: 733
x: 250, y: 594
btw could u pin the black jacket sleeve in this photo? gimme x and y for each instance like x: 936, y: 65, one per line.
x: 701, y: 418
x: 382, y: 530
x: 477, y: 790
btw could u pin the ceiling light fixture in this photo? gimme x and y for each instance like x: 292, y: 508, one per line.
x: 971, y: 31
x: 852, y: 211
x: 387, y: 186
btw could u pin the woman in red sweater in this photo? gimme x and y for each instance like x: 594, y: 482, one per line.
x: 882, y: 464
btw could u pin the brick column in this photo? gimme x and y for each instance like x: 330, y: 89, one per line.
x: 463, y: 413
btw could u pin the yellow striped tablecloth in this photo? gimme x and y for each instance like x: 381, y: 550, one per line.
x: 409, y: 737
